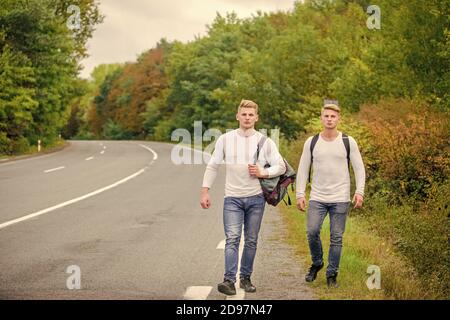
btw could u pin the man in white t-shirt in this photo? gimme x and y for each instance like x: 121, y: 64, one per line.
x: 332, y: 153
x: 244, y: 201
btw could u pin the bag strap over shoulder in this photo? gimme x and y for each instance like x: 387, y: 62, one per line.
x: 347, y: 148
x: 311, y: 149
x: 259, y: 147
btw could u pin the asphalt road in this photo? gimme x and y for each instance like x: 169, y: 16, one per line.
x: 130, y: 220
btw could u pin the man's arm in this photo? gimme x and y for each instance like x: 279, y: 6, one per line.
x: 360, y: 172
x: 302, y: 175
x: 303, y: 170
x: 211, y: 173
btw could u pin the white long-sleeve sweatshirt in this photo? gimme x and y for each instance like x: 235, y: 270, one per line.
x: 330, y: 175
x: 238, y: 149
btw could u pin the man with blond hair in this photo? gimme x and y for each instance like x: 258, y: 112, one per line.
x: 330, y: 154
x: 244, y: 201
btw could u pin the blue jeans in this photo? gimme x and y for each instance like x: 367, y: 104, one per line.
x: 247, y: 211
x: 317, y: 212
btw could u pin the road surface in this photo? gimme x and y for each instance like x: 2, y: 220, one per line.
x: 120, y: 220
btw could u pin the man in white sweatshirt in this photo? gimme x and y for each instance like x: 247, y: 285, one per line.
x: 244, y: 201
x: 331, y: 155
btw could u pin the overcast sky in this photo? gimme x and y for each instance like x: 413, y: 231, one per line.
x: 133, y: 26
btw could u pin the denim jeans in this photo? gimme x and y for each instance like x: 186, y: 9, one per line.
x: 317, y: 212
x: 246, y: 211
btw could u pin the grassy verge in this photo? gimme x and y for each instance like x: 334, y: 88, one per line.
x: 361, y: 249
x: 33, y: 150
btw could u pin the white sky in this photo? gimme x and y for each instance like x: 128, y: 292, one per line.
x: 133, y: 26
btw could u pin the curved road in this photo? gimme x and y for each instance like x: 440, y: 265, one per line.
x: 130, y: 219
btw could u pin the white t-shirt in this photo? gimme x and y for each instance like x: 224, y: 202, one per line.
x: 330, y: 173
x: 238, y: 150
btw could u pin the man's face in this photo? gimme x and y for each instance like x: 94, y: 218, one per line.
x: 247, y: 118
x: 330, y: 118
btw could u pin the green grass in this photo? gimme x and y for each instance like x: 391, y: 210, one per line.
x: 33, y: 150
x: 361, y: 248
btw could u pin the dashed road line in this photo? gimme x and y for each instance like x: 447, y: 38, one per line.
x: 197, y: 293
x: 54, y: 169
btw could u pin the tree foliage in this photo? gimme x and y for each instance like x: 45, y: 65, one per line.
x: 39, y: 59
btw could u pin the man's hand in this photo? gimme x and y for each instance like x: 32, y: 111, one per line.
x: 301, y: 204
x: 255, y: 171
x: 205, y: 201
x: 357, y: 201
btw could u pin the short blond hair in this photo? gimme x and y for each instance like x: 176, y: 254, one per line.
x: 331, y: 105
x: 248, y: 104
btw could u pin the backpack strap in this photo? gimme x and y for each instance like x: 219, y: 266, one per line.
x: 289, y: 202
x: 346, y: 142
x: 311, y: 149
x: 259, y: 147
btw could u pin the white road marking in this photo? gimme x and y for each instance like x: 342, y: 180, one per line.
x: 102, y: 152
x: 221, y: 245
x: 90, y: 158
x: 197, y: 293
x: 104, y: 147
x: 54, y: 169
x: 155, y: 155
x: 41, y: 212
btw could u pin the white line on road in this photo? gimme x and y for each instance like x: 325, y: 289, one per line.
x: 102, y: 152
x: 197, y: 293
x: 155, y: 155
x: 90, y: 158
x: 221, y: 245
x: 35, y: 214
x: 54, y: 169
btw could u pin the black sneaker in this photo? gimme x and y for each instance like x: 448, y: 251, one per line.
x: 247, y: 285
x: 227, y: 287
x: 332, y: 282
x: 312, y: 273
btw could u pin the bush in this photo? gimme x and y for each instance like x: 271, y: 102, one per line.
x: 114, y: 131
x: 420, y: 232
x: 410, y: 146
x: 5, y: 144
x: 19, y: 146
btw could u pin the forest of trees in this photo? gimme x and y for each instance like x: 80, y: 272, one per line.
x: 392, y: 84
x: 39, y: 66
x: 287, y: 62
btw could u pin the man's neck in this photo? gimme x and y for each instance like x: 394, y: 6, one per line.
x: 246, y: 132
x: 330, y: 134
